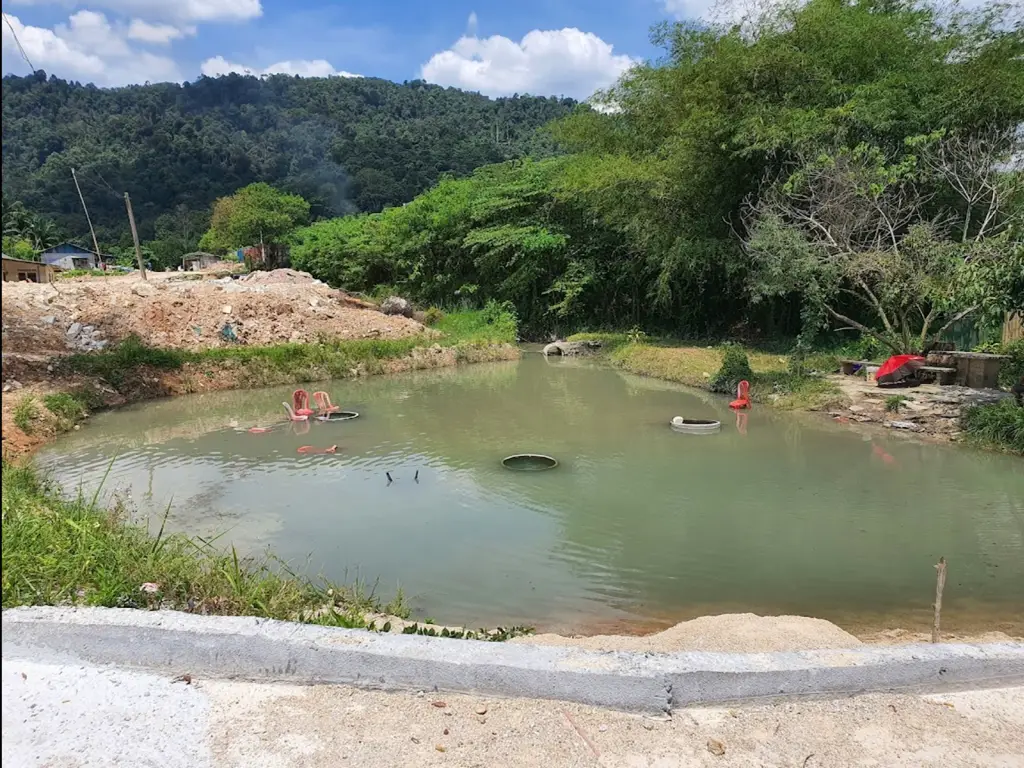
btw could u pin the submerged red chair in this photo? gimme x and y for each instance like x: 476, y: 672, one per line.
x: 300, y: 403
x: 742, y: 396
x: 324, y: 404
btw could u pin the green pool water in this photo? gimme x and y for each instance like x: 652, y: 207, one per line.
x: 638, y: 524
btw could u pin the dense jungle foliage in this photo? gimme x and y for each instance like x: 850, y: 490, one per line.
x: 344, y: 144
x: 853, y: 162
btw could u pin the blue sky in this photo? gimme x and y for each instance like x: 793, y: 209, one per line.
x: 548, y: 47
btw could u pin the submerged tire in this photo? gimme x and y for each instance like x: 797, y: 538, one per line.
x: 695, y: 426
x: 529, y: 462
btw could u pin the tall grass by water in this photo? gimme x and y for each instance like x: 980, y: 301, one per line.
x: 1000, y: 425
x: 59, y: 551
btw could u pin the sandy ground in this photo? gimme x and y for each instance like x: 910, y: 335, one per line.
x: 730, y: 633
x: 63, y: 716
x: 749, y: 633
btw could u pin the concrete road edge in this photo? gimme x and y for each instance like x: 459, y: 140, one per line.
x: 274, y: 651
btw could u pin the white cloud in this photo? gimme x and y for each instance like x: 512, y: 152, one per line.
x: 218, y: 65
x: 158, y: 34
x: 87, y: 48
x: 472, y: 24
x: 563, y: 62
x: 174, y: 10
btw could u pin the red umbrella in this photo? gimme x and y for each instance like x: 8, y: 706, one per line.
x: 898, y: 367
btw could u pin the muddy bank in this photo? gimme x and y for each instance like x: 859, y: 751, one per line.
x: 43, y: 324
x: 145, y: 383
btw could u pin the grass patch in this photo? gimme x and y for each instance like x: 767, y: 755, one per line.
x: 893, y: 403
x: 278, y: 363
x: 25, y: 413
x: 995, y: 426
x: 772, y: 380
x: 494, y: 324
x: 117, y: 363
x: 70, y: 273
x: 68, y: 409
x: 609, y: 341
x: 58, y: 551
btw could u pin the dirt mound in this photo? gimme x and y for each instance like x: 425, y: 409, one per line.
x: 188, y: 311
x: 731, y: 633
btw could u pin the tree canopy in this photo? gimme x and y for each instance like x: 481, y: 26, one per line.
x: 255, y: 215
x: 696, y: 202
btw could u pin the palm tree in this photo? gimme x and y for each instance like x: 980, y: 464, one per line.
x: 16, y: 219
x: 42, y: 233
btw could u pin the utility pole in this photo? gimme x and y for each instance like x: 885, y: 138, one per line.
x: 135, y: 235
x: 92, y: 231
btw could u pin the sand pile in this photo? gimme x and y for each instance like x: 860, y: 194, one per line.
x: 731, y: 633
x: 188, y: 311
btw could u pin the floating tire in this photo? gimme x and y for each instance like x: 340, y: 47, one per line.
x: 529, y: 462
x: 695, y: 426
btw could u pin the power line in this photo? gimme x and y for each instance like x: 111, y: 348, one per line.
x: 18, y: 43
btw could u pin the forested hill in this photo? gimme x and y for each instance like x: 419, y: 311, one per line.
x: 344, y: 144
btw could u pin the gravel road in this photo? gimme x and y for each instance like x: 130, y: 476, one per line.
x: 73, y: 716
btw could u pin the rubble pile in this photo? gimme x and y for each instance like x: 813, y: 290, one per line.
x: 188, y: 311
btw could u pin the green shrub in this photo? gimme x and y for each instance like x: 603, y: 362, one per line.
x: 432, y: 316
x: 1000, y: 425
x: 735, y: 368
x: 1013, y: 369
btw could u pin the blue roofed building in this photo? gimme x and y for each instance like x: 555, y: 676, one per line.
x: 70, y: 256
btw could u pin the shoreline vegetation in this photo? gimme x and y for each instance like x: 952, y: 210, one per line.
x: 784, y: 381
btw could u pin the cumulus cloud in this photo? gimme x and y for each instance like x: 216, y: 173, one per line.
x: 157, y: 34
x: 562, y: 62
x: 176, y: 10
x: 87, y: 48
x: 218, y: 65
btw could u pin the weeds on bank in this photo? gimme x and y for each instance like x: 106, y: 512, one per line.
x: 770, y: 376
x: 496, y: 323
x: 1000, y: 425
x: 68, y: 408
x: 25, y: 413
x: 893, y: 403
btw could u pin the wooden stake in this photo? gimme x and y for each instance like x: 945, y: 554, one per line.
x: 88, y: 220
x: 135, y: 235
x: 940, y: 583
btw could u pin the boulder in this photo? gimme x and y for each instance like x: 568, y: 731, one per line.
x: 396, y: 305
x: 572, y: 348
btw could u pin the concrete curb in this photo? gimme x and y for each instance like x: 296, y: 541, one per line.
x: 265, y: 650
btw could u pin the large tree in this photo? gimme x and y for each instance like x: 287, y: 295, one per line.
x: 919, y: 244
x: 256, y: 215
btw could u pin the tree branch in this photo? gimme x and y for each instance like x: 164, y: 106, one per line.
x: 864, y: 329
x: 956, y: 318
